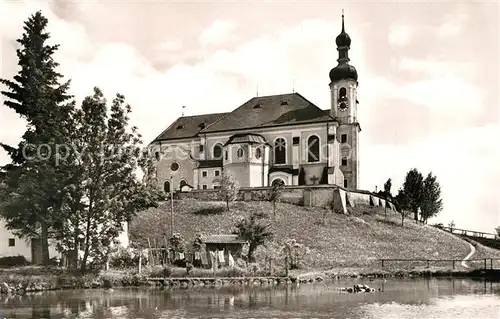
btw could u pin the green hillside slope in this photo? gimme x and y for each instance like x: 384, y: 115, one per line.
x: 355, y: 240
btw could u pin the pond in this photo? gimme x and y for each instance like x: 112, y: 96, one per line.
x: 397, y: 298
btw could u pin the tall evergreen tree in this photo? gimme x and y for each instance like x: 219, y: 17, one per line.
x: 33, y: 180
x: 432, y: 203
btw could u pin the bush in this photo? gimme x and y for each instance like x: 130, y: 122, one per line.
x: 216, y: 210
x: 163, y: 272
x: 124, y: 258
x: 13, y: 261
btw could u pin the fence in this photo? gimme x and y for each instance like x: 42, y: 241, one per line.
x: 483, y: 263
x: 470, y: 233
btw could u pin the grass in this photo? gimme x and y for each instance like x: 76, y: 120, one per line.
x: 339, y: 241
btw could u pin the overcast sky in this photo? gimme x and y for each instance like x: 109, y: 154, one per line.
x: 428, y: 75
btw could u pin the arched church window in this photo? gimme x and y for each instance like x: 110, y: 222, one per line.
x: 166, y: 187
x: 258, y: 153
x: 342, y: 94
x: 313, y: 149
x: 239, y: 152
x: 280, y: 151
x: 217, y: 152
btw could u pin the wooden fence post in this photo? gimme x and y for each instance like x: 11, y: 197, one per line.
x: 484, y: 263
x: 453, y: 263
x: 140, y: 262
x: 491, y: 263
x: 382, y: 262
x: 427, y: 263
x: 286, y: 265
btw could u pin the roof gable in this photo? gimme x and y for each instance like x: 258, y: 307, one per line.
x: 268, y: 111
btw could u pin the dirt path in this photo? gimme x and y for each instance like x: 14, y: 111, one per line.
x: 472, y: 252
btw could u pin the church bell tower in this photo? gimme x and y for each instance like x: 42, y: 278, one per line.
x: 344, y: 105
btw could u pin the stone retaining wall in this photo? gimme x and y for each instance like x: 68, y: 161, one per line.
x: 307, y: 195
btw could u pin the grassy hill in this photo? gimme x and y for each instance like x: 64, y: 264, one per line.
x: 335, y: 241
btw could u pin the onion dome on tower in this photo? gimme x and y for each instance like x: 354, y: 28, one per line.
x: 343, y: 70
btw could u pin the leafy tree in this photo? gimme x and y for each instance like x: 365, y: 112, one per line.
x: 254, y: 231
x: 34, y: 181
x: 402, y: 204
x: 432, y: 203
x: 228, y: 187
x: 451, y: 225
x: 413, y: 189
x: 276, y: 194
x: 106, y: 191
x: 295, y: 253
x: 176, y: 243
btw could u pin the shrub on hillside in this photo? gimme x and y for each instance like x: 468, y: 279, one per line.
x: 13, y: 261
x: 213, y: 210
x: 124, y: 258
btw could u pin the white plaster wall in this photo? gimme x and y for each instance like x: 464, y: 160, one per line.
x: 22, y: 247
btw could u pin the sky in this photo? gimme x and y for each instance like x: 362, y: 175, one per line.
x: 428, y: 75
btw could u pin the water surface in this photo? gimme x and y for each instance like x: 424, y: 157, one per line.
x: 419, y: 298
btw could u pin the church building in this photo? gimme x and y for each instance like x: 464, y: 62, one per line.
x: 269, y: 139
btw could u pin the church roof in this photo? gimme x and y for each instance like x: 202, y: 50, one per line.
x: 188, y: 126
x: 269, y: 111
x: 264, y: 111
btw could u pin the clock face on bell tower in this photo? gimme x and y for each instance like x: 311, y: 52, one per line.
x: 342, y: 106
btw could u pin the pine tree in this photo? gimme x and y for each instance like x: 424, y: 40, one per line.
x: 34, y: 182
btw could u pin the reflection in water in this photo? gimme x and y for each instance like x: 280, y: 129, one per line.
x: 444, y: 298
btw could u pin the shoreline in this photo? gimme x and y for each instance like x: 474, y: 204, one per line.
x: 20, y: 284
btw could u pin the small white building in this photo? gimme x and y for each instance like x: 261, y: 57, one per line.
x: 11, y: 245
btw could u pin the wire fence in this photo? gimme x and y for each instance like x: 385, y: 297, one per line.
x: 483, y: 263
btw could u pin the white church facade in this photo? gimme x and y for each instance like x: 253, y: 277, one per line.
x: 280, y: 138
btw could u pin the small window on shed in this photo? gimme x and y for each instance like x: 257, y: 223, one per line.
x: 12, y: 242
x: 180, y: 127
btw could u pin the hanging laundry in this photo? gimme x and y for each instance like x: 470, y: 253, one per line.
x: 230, y: 260
x: 197, y: 255
x: 181, y: 256
x: 221, y: 256
x: 204, y: 259
x: 213, y: 259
